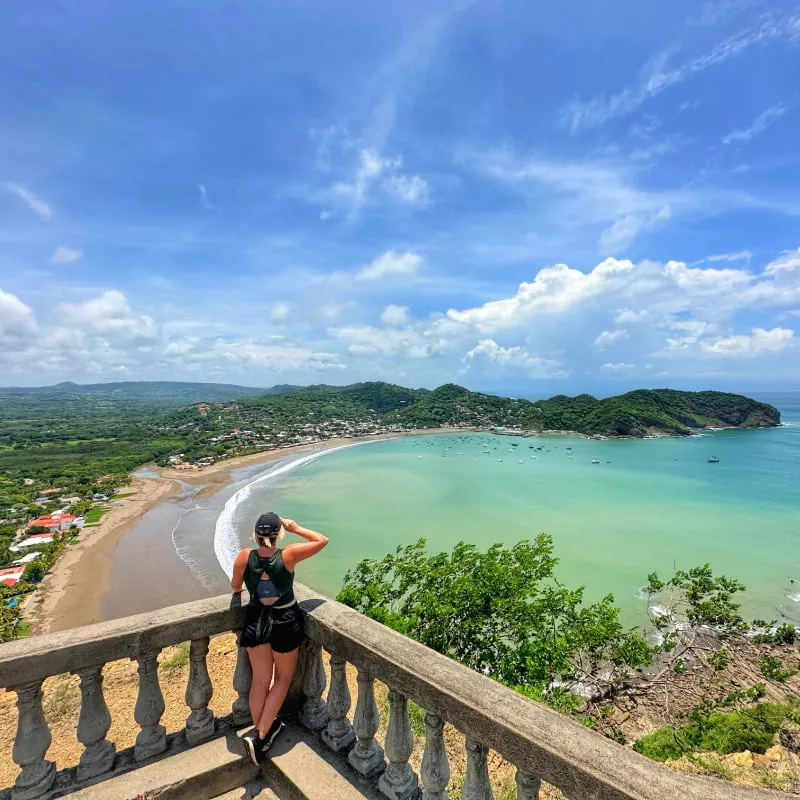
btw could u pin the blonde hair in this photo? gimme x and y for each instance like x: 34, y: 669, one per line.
x: 273, y: 540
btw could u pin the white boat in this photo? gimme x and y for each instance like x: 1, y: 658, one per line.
x: 500, y: 460
x: 713, y: 460
x: 520, y: 461
x: 419, y: 458
x: 595, y: 461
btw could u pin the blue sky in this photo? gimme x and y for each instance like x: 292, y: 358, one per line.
x: 575, y: 197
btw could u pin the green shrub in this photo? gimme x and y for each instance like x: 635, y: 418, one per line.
x: 773, y: 669
x: 722, y: 732
x: 719, y: 659
x: 734, y: 731
x: 785, y: 634
x: 665, y: 744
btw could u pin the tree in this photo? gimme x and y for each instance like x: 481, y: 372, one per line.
x: 500, y: 612
x: 10, y: 617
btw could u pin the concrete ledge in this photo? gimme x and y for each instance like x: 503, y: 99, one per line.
x: 300, y: 767
x: 199, y: 773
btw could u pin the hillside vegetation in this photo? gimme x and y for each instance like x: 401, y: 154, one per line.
x: 71, y: 431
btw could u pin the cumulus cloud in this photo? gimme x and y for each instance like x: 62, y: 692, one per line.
x: 758, y: 342
x: 16, y: 318
x: 65, y: 255
x: 395, y: 315
x: 516, y: 358
x: 607, y: 338
x: 408, y: 342
x: 390, y: 263
x: 34, y: 203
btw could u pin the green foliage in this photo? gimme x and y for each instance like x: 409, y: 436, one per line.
x: 10, y: 618
x: 719, y: 659
x: 499, y: 612
x: 719, y: 732
x: 773, y: 669
x: 785, y: 634
x: 34, y: 571
x: 699, y: 597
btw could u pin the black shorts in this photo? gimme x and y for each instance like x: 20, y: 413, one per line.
x: 281, y: 628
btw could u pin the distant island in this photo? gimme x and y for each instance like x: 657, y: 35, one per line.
x: 71, y: 430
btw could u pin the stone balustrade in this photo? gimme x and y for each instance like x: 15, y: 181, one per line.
x: 542, y: 744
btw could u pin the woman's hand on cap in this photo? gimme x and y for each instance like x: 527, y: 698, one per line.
x: 289, y: 524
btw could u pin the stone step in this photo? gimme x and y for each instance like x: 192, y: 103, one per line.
x: 199, y: 773
x: 246, y: 793
x: 300, y: 767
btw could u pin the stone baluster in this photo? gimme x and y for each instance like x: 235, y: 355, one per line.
x: 476, y: 782
x: 199, y: 691
x: 339, y: 734
x: 93, y: 724
x: 399, y: 782
x: 528, y: 787
x: 152, y: 738
x: 366, y: 757
x: 242, y: 680
x: 30, y: 745
x: 314, y: 713
x: 435, y: 766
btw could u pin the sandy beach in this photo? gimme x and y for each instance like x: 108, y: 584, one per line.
x: 73, y: 593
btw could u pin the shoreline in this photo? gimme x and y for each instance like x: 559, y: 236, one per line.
x: 80, y: 577
x: 72, y: 593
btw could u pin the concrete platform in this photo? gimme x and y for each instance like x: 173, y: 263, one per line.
x: 199, y: 773
x: 300, y: 767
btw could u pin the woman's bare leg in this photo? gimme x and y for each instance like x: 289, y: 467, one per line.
x: 285, y: 665
x: 261, y: 661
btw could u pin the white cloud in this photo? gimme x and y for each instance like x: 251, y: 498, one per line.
x: 109, y: 314
x: 617, y: 368
x: 375, y: 178
x: 787, y: 262
x: 35, y: 204
x: 395, y: 315
x: 390, y: 263
x: 742, y: 255
x: 627, y: 228
x: 65, y: 255
x: 760, y: 341
x: 627, y: 316
x: 607, y: 338
x: 554, y: 290
x: 394, y: 342
x: 657, y: 76
x: 205, y: 200
x: 16, y: 318
x: 517, y: 358
x: 759, y: 125
x: 280, y: 311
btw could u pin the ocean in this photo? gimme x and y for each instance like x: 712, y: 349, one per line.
x: 649, y: 505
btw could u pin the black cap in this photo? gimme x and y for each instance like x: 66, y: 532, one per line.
x: 268, y: 524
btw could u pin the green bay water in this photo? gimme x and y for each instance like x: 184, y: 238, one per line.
x: 654, y: 504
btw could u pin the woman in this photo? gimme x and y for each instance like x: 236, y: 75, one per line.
x: 273, y: 625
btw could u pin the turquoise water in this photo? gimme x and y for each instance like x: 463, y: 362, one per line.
x: 649, y: 505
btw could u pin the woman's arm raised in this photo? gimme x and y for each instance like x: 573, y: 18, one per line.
x: 294, y: 553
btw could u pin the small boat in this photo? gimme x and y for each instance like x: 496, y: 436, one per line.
x: 514, y: 444
x: 500, y: 460
x: 520, y: 462
x: 531, y: 447
x: 713, y: 460
x: 595, y: 461
x: 419, y: 458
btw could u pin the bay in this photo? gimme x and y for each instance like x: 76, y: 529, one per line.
x: 655, y: 504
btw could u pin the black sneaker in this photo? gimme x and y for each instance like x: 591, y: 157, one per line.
x: 272, y: 734
x: 253, y: 747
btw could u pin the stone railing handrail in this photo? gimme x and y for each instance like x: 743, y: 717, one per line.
x: 542, y: 744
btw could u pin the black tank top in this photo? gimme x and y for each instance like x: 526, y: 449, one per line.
x: 280, y: 583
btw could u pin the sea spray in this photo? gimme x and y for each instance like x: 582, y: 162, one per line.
x: 226, y: 538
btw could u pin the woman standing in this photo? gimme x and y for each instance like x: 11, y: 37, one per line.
x: 272, y: 629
